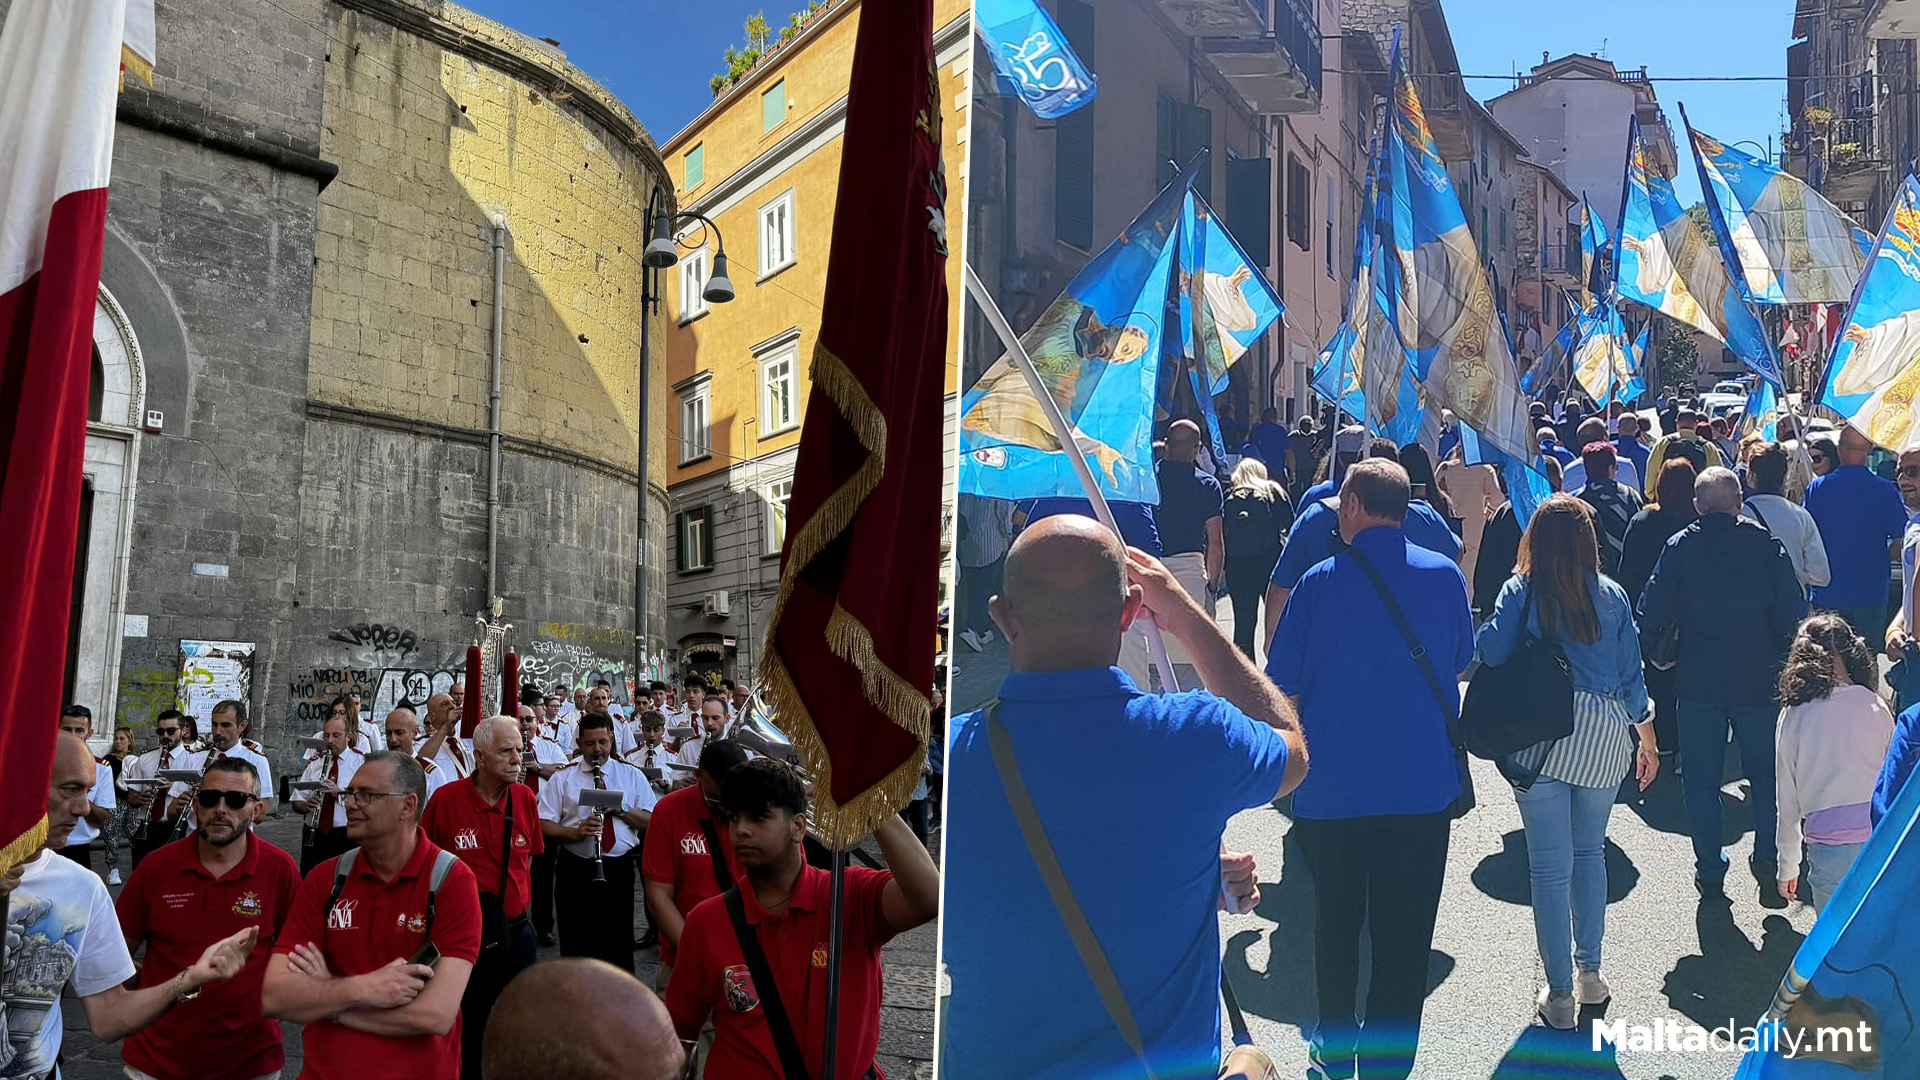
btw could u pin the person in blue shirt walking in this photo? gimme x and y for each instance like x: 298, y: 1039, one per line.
x: 1316, y: 535
x: 1372, y: 819
x: 1270, y: 437
x: 1066, y: 723
x: 1558, y: 592
x: 1861, y: 520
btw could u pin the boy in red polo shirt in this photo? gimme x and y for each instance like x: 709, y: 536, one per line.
x: 189, y: 894
x: 678, y: 862
x: 784, y: 904
x: 346, y: 968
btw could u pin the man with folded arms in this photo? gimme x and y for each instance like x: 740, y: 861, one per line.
x: 481, y: 819
x: 191, y: 894
x: 1024, y: 1003
x: 352, y: 962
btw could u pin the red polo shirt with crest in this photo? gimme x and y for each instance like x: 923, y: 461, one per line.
x: 373, y: 924
x: 711, y: 977
x: 676, y: 853
x: 460, y: 820
x: 178, y: 908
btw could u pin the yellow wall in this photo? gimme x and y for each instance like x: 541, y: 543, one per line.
x: 432, y: 147
x: 816, y: 67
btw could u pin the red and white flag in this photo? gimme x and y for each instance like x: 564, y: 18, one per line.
x: 60, y: 64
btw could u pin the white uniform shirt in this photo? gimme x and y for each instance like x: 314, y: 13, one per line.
x: 148, y: 766
x: 61, y: 932
x: 455, y: 759
x: 560, y: 803
x: 102, y: 796
x: 350, y: 761
x: 568, y: 737
x: 245, y: 753
x: 659, y: 756
x: 362, y: 742
x: 436, y: 776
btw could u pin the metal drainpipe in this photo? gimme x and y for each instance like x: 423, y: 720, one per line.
x: 493, y: 409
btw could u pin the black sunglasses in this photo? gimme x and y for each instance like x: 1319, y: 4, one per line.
x: 235, y: 800
x: 166, y: 730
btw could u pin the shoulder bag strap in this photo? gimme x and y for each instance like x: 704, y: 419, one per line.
x: 1099, y: 969
x: 792, y: 1062
x: 1448, y: 707
x: 506, y: 847
x: 1757, y: 515
x: 722, y: 875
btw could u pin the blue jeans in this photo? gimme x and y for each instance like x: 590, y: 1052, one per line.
x: 1566, y: 858
x: 1703, y: 745
x: 1826, y: 865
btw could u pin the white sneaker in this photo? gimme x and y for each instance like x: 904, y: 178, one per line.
x: 986, y: 638
x: 1590, y: 987
x: 972, y: 639
x: 1557, y: 1008
x: 113, y: 877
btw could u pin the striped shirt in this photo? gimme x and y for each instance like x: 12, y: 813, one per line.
x: 1595, y: 754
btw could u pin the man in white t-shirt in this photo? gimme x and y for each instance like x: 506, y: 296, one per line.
x: 62, y: 933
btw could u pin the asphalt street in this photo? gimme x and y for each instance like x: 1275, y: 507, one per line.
x: 1667, y: 956
x: 906, y: 1015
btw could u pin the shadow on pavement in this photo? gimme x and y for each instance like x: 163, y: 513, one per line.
x: 1542, y: 1053
x: 1284, y: 992
x: 1503, y: 875
x: 1729, y: 978
x: 1663, y: 805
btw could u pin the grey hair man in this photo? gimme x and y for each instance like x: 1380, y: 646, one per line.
x: 1729, y: 589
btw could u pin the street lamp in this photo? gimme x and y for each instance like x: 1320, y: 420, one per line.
x: 662, y: 251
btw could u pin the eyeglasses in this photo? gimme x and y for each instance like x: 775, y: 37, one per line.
x: 1910, y: 470
x: 360, y: 797
x: 235, y: 800
x: 167, y: 730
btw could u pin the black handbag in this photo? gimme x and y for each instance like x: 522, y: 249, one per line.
x: 1661, y: 645
x: 1463, y: 802
x: 1526, y: 701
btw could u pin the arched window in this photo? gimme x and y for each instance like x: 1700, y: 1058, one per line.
x: 96, y: 386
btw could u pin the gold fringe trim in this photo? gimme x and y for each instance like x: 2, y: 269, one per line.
x: 24, y: 847
x: 843, y: 826
x: 133, y: 62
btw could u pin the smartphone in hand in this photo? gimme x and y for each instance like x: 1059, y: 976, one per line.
x: 429, y: 955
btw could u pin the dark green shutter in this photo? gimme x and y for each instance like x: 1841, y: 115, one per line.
x: 1196, y: 134
x: 1250, y: 206
x: 1073, y: 140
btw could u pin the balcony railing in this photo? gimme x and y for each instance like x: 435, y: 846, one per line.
x: 1299, y: 31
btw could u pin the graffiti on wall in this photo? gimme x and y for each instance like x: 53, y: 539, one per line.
x: 569, y: 662
x: 146, y: 692
x: 372, y: 646
x: 311, y: 692
x: 410, y: 688
x: 213, y: 671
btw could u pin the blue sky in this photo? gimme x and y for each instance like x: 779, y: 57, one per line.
x: 657, y: 55
x: 1669, y: 37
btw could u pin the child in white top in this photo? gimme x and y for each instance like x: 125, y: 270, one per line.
x: 1833, y: 735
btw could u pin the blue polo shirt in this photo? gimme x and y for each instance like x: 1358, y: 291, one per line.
x: 1274, y: 442
x: 1311, y: 538
x: 1378, y: 737
x: 1633, y: 451
x: 1134, y: 518
x: 1023, y: 1004
x: 1189, y: 498
x: 1860, y: 515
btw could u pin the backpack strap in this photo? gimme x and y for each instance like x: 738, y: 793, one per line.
x: 1757, y: 515
x: 341, y: 868
x: 443, y: 862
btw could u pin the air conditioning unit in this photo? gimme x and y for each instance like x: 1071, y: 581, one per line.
x: 714, y: 604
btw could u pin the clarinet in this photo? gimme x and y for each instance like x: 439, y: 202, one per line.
x: 599, y: 866
x: 310, y: 829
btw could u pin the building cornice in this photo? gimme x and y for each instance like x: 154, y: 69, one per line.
x: 165, y: 115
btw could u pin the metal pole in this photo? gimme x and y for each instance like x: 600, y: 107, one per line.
x: 648, y: 278
x: 831, y: 1044
x: 493, y: 410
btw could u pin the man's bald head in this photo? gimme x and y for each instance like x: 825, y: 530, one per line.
x: 1183, y: 440
x: 1066, y: 596
x: 631, y: 1038
x: 1855, y: 447
x: 68, y: 787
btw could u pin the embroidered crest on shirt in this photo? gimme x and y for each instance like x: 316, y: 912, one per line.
x: 820, y: 957
x: 519, y: 839
x: 739, y: 986
x: 341, y: 917
x: 415, y: 922
x: 248, y: 904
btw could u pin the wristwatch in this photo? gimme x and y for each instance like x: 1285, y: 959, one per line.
x: 181, y: 997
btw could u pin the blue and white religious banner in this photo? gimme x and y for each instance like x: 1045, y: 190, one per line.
x: 1029, y: 51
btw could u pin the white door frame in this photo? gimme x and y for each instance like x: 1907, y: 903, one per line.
x: 112, y: 467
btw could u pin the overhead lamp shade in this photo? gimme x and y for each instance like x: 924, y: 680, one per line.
x: 661, y: 251
x: 719, y: 288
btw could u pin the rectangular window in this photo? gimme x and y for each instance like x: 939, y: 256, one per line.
x: 778, y: 493
x: 773, y: 106
x: 696, y: 540
x: 1332, y: 211
x: 1073, y: 141
x: 1483, y: 234
x: 696, y: 166
x: 693, y: 282
x: 776, y: 235
x: 779, y: 409
x: 1503, y: 228
x: 1299, y: 198
x: 696, y: 436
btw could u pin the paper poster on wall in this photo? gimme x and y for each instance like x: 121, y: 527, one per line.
x: 212, y: 672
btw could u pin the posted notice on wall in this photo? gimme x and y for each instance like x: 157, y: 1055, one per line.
x: 212, y: 672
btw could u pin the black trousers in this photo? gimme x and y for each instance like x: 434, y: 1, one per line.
x: 80, y: 853
x: 491, y: 973
x: 317, y: 847
x: 541, y: 872
x: 1386, y: 873
x: 148, y: 836
x: 595, y: 917
x: 1247, y: 581
x: 1666, y: 711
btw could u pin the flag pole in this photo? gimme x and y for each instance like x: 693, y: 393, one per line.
x: 1017, y: 355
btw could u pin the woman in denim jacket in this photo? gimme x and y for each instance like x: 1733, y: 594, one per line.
x: 1559, y: 592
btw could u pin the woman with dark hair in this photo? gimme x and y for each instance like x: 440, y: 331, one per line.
x: 1557, y: 592
x: 117, y: 819
x: 1419, y: 465
x: 1647, y: 535
x: 1833, y: 736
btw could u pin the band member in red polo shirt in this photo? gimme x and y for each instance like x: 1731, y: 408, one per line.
x: 779, y: 907
x: 353, y: 964
x: 679, y: 865
x: 190, y: 894
x: 493, y: 824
